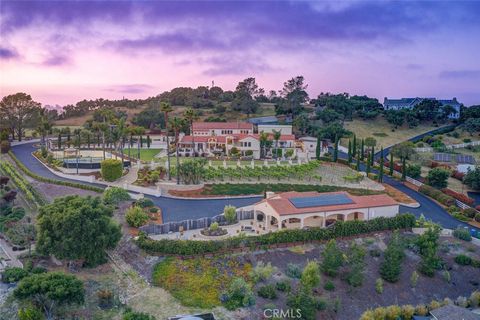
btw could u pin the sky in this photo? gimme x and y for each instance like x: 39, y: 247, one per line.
x: 61, y: 52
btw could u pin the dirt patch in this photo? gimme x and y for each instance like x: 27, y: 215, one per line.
x: 52, y: 191
x: 398, y: 195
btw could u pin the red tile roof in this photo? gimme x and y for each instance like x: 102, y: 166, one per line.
x: 282, y: 205
x: 221, y: 125
x: 237, y: 137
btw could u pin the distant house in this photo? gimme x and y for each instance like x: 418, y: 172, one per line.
x: 221, y: 128
x: 410, y: 103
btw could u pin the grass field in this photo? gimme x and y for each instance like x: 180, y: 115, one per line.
x: 381, y: 130
x: 146, y: 154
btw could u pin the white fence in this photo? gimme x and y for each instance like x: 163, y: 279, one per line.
x: 450, y: 147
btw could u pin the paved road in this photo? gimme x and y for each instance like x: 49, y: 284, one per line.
x: 429, y: 208
x: 181, y: 209
x: 172, y: 209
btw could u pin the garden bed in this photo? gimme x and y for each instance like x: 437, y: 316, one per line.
x: 228, y: 189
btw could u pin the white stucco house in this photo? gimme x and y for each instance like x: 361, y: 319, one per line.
x: 297, y: 210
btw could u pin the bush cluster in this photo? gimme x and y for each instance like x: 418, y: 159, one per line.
x: 465, y: 260
x: 115, y: 195
x: 459, y: 196
x: 111, y: 169
x: 136, y: 217
x: 340, y: 229
x: 462, y: 234
x: 437, y: 195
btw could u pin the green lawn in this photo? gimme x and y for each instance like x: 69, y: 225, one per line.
x: 145, y: 154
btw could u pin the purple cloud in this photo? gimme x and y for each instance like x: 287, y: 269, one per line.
x: 130, y: 88
x: 6, y: 54
x: 56, y: 61
x: 460, y: 74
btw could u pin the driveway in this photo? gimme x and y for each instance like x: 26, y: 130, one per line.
x: 172, y: 209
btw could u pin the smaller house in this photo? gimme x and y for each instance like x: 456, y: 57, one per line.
x: 453, y: 312
x: 410, y: 103
x: 298, y: 210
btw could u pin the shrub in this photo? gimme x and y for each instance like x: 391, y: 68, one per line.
x: 320, y: 304
x: 239, y: 294
x: 13, y: 274
x: 153, y: 210
x: 375, y: 253
x: 462, y: 302
x: 262, y: 271
x: 437, y: 177
x: 477, y: 217
x: 111, y: 169
x: 475, y: 299
x: 230, y: 214
x: 469, y: 213
x: 332, y: 259
x: 30, y: 313
x: 379, y: 286
x: 283, y: 286
x: 462, y: 234
x: 267, y: 292
x: 421, y: 310
x: 310, y: 275
x: 136, y: 217
x: 115, y: 195
x: 446, y: 276
x: 329, y: 286
x: 4, y: 146
x: 437, y: 195
x: 293, y: 271
x: 144, y: 202
x: 132, y: 315
x: 414, y: 279
x: 214, y: 226
x: 407, y: 312
x: 459, y: 196
x: 463, y: 260
x: 391, y: 266
x: 393, y: 312
x: 414, y: 171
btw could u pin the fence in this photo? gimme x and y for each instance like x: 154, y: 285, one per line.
x: 448, y: 147
x: 176, y: 226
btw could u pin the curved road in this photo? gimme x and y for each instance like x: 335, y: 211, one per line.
x: 172, y: 209
x: 182, y: 209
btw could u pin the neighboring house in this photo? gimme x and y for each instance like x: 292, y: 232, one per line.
x: 308, y: 148
x: 297, y: 210
x: 246, y: 144
x: 453, y: 312
x: 270, y: 128
x: 410, y: 103
x: 221, y: 128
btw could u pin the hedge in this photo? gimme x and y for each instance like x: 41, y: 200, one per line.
x: 52, y: 181
x: 111, y: 169
x: 339, y: 229
x: 459, y: 196
x: 437, y: 195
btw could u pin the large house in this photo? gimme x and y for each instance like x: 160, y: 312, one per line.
x: 205, y: 129
x: 297, y: 210
x: 229, y: 138
x: 410, y: 103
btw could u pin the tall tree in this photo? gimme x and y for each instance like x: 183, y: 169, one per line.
x: 276, y: 136
x: 354, y: 145
x: 77, y: 228
x: 245, y: 94
x: 335, y: 150
x: 18, y: 111
x: 362, y: 150
x: 380, y: 171
x: 190, y: 116
x: 404, y: 169
x: 294, y: 94
x: 176, y: 124
x: 349, y: 151
x: 263, y: 143
x: 44, y: 126
x: 51, y: 290
x: 166, y: 109
x: 318, y: 148
x: 391, y: 165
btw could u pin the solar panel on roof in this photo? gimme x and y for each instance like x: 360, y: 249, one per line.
x: 442, y: 157
x: 321, y: 200
x: 463, y: 158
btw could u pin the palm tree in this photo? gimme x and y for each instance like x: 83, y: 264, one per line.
x: 138, y: 131
x: 176, y: 124
x: 44, y: 127
x: 276, y: 137
x: 166, y: 109
x: 191, y: 115
x: 263, y: 142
